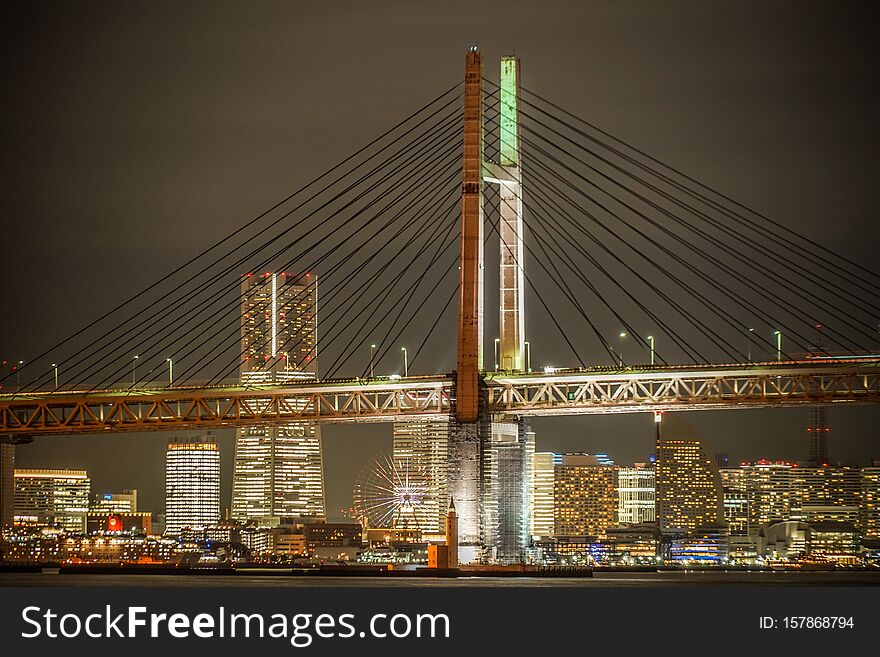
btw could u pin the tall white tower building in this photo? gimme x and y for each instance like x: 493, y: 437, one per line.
x: 278, y: 469
x: 192, y: 483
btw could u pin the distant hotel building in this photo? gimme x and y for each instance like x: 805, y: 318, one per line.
x: 585, y: 495
x: 53, y: 496
x: 688, y: 487
x: 635, y: 490
x: 192, y: 483
x: 423, y: 445
x: 278, y: 470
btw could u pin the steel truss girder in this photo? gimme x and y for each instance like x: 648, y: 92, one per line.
x: 179, y: 409
x: 624, y: 392
x: 674, y: 388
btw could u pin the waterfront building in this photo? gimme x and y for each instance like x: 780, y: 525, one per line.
x: 688, y: 487
x: 124, y: 502
x: 422, y: 444
x: 636, y: 495
x: 734, y: 485
x: 544, y: 476
x: 278, y: 469
x: 585, y: 495
x: 7, y: 484
x: 869, y: 502
x: 192, y: 483
x: 53, y: 496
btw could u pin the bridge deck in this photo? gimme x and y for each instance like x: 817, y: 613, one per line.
x: 561, y: 392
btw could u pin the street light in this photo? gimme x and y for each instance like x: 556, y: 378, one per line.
x: 620, y: 352
x: 55, y: 368
x: 18, y: 375
x: 651, y: 340
x: 170, y: 371
x: 497, y: 342
x: 751, y: 330
x: 372, y: 348
x: 405, y: 362
x: 133, y: 365
x: 528, y: 356
x: 778, y: 335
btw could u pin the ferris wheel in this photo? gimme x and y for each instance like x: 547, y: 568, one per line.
x: 392, y: 493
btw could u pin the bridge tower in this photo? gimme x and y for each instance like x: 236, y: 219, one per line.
x: 489, y: 467
x: 469, y: 425
x: 507, y: 175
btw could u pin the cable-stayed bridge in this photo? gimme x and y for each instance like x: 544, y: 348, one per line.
x: 614, y: 240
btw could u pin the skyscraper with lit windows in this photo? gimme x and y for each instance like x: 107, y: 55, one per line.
x: 278, y: 469
x: 635, y: 493
x: 53, y: 496
x: 543, y: 477
x: 688, y: 487
x: 869, y: 502
x: 423, y: 445
x: 585, y: 495
x: 192, y: 483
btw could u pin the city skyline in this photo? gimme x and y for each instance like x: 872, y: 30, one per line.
x: 543, y: 346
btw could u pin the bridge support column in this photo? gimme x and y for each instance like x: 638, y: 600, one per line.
x: 464, y: 472
x: 510, y: 228
x: 468, y: 428
x: 470, y: 307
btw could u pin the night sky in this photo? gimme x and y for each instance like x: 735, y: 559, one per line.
x: 136, y: 135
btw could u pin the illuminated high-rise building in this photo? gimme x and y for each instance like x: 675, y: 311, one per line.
x: 869, y: 502
x: 53, y: 496
x: 635, y: 492
x: 688, y: 487
x: 826, y: 494
x: 585, y: 495
x: 7, y: 484
x: 278, y: 469
x: 544, y: 476
x: 734, y: 484
x: 422, y: 444
x: 770, y: 492
x: 507, y: 491
x: 192, y: 483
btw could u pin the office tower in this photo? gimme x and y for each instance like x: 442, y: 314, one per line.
x: 734, y: 484
x: 507, y: 491
x: 818, y: 431
x: 688, y: 488
x: 585, y: 495
x: 124, y: 502
x: 422, y: 445
x: 869, y: 502
x: 192, y: 483
x: 635, y: 491
x: 544, y: 475
x: 770, y: 492
x: 7, y: 484
x: 53, y: 496
x: 278, y: 470
x: 826, y: 494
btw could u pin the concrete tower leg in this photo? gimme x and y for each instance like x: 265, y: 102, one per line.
x: 466, y: 430
x: 511, y: 320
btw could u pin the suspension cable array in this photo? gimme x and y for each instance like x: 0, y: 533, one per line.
x: 619, y: 245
